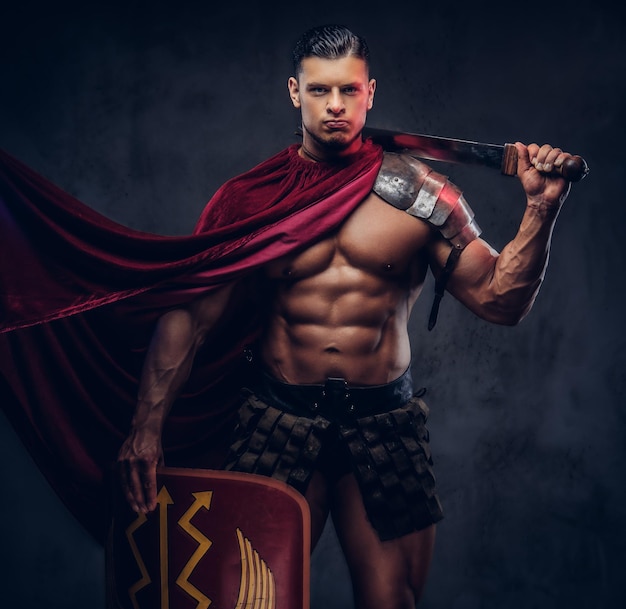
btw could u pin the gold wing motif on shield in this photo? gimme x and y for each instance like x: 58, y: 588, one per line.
x: 257, y: 589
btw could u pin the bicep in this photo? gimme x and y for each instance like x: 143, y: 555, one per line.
x: 205, y: 312
x: 185, y: 328
x: 473, y: 272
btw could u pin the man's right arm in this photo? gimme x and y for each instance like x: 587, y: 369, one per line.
x: 178, y: 335
x: 502, y: 287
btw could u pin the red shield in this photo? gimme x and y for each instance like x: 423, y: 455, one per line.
x: 224, y: 539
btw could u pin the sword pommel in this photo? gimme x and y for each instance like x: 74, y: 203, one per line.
x: 574, y: 169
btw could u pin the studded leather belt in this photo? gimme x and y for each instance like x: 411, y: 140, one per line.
x: 336, y: 398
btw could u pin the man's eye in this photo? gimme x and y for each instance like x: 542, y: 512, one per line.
x: 318, y: 90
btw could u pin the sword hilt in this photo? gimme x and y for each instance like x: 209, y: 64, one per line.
x: 573, y: 169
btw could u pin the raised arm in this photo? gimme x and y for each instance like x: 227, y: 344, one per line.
x: 177, y: 337
x: 502, y: 288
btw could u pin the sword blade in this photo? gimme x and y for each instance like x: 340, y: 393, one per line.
x: 436, y: 148
x: 451, y: 150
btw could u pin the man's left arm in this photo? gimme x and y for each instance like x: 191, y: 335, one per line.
x: 501, y: 288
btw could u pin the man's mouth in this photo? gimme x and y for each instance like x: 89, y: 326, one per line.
x: 338, y: 124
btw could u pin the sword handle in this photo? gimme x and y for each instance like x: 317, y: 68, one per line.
x: 573, y: 169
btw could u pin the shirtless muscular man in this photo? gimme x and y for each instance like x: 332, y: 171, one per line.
x: 334, y: 358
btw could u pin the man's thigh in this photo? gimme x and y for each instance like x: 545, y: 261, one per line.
x: 389, y: 574
x: 317, y: 496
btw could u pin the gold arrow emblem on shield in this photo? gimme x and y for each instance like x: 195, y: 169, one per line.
x: 257, y: 588
x: 201, y: 500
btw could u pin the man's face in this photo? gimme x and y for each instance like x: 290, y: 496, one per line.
x: 334, y: 96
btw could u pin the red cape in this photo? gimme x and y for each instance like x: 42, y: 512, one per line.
x: 79, y: 296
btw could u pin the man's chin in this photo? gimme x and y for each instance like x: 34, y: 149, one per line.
x: 338, y: 142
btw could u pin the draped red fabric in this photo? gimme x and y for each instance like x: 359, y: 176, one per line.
x: 79, y: 296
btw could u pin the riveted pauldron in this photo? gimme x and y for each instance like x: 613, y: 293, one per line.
x: 412, y: 186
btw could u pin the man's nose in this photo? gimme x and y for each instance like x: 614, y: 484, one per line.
x: 335, y: 103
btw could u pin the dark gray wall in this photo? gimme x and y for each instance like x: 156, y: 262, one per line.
x: 142, y: 109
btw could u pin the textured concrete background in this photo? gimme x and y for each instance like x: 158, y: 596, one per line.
x: 141, y: 110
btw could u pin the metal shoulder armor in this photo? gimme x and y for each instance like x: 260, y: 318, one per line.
x: 414, y: 187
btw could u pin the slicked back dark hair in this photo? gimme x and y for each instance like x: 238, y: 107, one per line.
x: 329, y: 42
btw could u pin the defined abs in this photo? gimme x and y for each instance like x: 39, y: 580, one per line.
x: 329, y: 330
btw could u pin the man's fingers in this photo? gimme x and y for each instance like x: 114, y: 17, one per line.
x: 545, y: 158
x: 149, y: 484
x: 135, y: 488
x: 137, y: 461
x: 139, y: 484
x: 125, y: 483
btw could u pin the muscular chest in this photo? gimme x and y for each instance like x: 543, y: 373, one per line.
x: 376, y: 238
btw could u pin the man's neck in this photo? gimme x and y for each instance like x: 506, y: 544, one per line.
x: 305, y: 153
x: 328, y: 155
